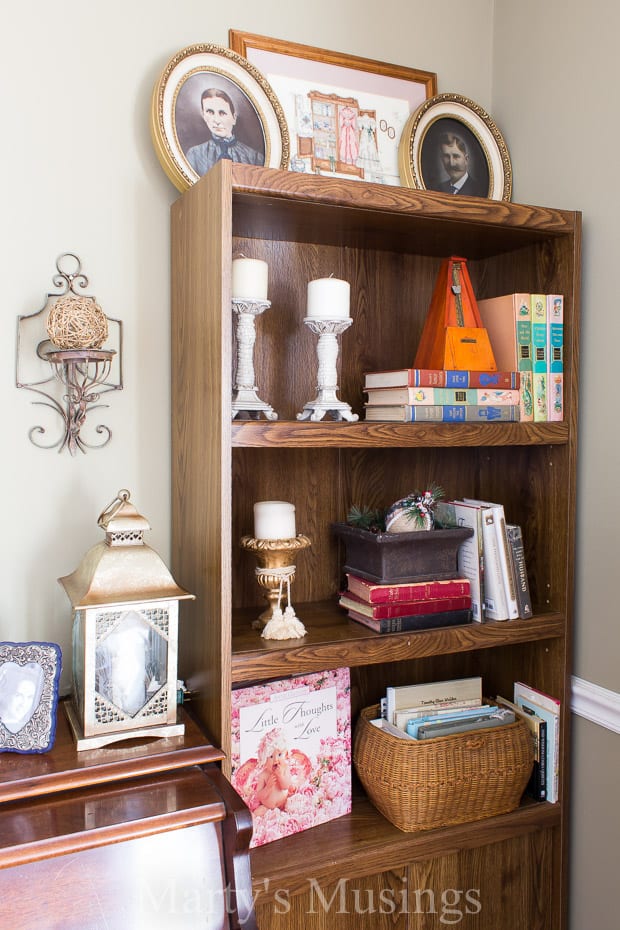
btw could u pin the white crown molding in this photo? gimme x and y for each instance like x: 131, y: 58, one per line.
x: 596, y: 704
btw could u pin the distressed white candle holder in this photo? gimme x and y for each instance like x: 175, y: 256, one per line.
x: 245, y: 398
x: 326, y: 401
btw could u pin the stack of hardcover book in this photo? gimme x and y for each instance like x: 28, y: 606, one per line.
x: 442, y: 395
x: 440, y: 708
x: 402, y: 607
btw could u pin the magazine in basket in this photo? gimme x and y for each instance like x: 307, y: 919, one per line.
x: 291, y: 752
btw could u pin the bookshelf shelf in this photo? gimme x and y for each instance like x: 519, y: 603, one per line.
x: 388, y: 243
x: 333, y: 640
x: 364, y: 838
x: 294, y: 435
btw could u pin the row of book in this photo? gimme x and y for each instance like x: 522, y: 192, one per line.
x: 404, y: 607
x: 442, y: 708
x: 526, y: 332
x: 492, y: 558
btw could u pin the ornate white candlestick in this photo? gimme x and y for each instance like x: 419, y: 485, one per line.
x: 275, y: 572
x: 245, y: 399
x: 327, y: 348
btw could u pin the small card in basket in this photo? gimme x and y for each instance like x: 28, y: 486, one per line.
x: 291, y: 752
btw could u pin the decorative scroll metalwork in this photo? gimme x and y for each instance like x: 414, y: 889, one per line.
x: 84, y: 374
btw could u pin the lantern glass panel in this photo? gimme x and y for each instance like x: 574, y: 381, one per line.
x: 131, y: 657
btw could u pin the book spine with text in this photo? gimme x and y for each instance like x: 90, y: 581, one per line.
x: 443, y: 396
x: 415, y: 622
x: 405, y: 608
x: 374, y: 593
x: 494, y: 591
x: 447, y: 413
x: 539, y: 355
x: 555, y: 356
x: 519, y: 568
x: 441, y: 377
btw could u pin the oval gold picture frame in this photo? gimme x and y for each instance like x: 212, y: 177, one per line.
x: 454, y: 117
x: 177, y: 124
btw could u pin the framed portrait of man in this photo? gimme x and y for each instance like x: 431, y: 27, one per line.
x: 451, y: 145
x: 209, y: 104
x: 29, y: 677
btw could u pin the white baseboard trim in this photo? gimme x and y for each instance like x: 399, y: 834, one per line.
x: 596, y: 704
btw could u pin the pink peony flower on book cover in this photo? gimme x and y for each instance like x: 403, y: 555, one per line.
x: 291, y: 752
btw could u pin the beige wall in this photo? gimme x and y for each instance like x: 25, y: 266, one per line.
x: 554, y: 89
x: 79, y: 174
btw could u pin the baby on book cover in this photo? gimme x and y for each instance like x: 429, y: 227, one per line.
x: 291, y: 752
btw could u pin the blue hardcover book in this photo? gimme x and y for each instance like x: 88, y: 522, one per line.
x: 539, y: 356
x: 444, y: 413
x: 551, y: 717
x: 415, y: 723
x: 555, y: 356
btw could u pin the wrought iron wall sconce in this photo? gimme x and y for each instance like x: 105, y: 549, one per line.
x: 60, y: 352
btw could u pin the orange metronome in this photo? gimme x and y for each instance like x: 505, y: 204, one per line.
x: 453, y: 336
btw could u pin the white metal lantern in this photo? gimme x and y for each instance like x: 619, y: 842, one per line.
x: 125, y: 635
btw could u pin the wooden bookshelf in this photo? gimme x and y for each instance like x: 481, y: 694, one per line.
x: 388, y: 242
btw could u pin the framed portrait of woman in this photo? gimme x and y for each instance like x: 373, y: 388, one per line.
x: 29, y: 676
x: 210, y: 103
x: 451, y: 145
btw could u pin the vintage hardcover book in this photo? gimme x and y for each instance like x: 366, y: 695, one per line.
x: 402, y: 717
x: 508, y: 321
x: 446, y: 413
x: 537, y: 785
x: 495, y: 604
x: 555, y: 356
x: 503, y: 555
x: 442, y: 378
x: 539, y: 355
x: 470, y: 556
x: 404, y: 608
x: 291, y: 752
x: 549, y: 709
x: 435, y: 395
x: 374, y: 593
x: 431, y: 693
x: 500, y: 718
x: 413, y: 622
x: 519, y: 570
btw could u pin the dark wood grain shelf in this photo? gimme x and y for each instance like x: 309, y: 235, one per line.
x: 293, y: 434
x: 333, y: 640
x: 357, y: 844
x: 63, y: 768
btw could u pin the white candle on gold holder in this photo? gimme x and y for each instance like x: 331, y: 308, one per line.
x: 249, y: 278
x: 274, y: 520
x: 329, y: 299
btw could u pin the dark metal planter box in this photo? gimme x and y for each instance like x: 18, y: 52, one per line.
x: 401, y: 557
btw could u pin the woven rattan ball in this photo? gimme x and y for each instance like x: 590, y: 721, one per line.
x: 77, y: 323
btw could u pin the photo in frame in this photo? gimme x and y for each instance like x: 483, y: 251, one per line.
x: 450, y: 144
x: 29, y: 677
x: 345, y: 114
x: 210, y: 103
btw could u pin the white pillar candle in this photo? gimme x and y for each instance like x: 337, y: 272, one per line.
x: 249, y: 278
x: 274, y: 520
x: 329, y: 299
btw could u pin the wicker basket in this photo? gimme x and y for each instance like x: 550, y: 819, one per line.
x: 446, y: 780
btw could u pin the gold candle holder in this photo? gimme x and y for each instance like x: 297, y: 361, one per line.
x: 276, y: 569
